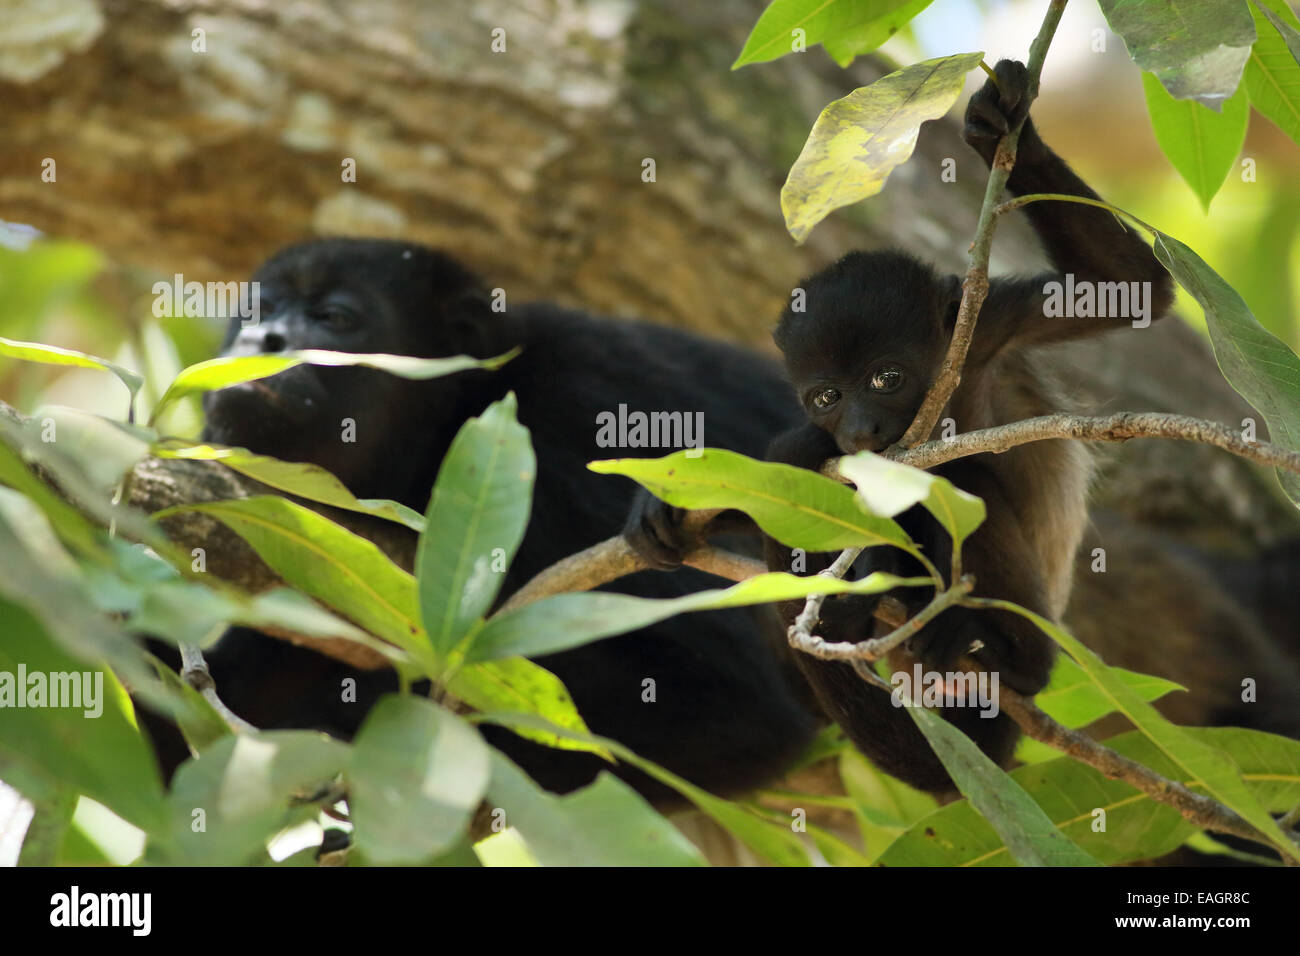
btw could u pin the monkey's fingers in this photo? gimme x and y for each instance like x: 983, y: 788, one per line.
x: 654, y: 531
x: 1012, y: 89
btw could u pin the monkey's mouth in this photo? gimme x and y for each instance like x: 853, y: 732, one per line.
x: 263, y: 391
x: 281, y: 400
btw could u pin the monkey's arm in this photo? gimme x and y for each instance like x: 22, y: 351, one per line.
x: 1091, y: 244
x: 1002, y: 558
x: 884, y: 732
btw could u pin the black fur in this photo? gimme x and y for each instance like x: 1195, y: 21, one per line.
x: 731, y: 711
x: 862, y: 354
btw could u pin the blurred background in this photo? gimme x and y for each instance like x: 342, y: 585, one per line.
x: 198, y: 138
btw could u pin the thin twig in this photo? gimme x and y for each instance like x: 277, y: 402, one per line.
x: 194, y: 671
x: 801, y: 637
x: 975, y: 287
x: 807, y: 619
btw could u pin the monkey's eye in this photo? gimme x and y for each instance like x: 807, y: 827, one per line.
x: 887, y: 379
x: 336, y: 317
x: 826, y: 397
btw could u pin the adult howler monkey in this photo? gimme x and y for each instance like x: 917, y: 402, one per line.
x: 729, y: 710
x: 861, y: 358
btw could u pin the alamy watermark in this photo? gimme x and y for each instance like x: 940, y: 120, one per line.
x: 626, y: 429
x: 57, y: 689
x: 75, y: 908
x: 922, y: 688
x: 208, y: 300
x: 1100, y: 300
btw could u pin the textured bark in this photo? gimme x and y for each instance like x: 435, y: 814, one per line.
x: 528, y: 164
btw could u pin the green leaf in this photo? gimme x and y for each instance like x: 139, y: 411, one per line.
x: 836, y: 851
x: 227, y: 370
x: 1072, y: 699
x: 105, y: 450
x: 1196, y: 761
x: 1254, y: 361
x: 49, y: 827
x: 53, y: 355
x: 302, y: 479
x: 1196, y: 49
x: 884, y: 806
x: 858, y: 140
x: 857, y: 25
x: 888, y: 488
x: 477, y: 516
x: 774, y: 842
x: 102, y: 756
x: 799, y: 508
x: 563, y: 621
x: 20, y: 449
x: 1202, y: 145
x: 70, y: 524
x: 246, y: 787
x: 1288, y: 28
x: 604, y: 824
x: 415, y: 778
x: 1273, y: 73
x: 520, y: 685
x: 36, y: 573
x: 856, y: 41
x: 1029, y: 835
x: 340, y: 569
x: 1071, y: 793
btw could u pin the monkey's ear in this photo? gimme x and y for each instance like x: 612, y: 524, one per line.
x: 952, y: 300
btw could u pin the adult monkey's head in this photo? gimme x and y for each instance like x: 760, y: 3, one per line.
x: 374, y: 430
x: 867, y: 342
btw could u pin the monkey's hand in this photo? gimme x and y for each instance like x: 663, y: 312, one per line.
x: 998, y: 107
x: 1021, y: 660
x: 654, y: 531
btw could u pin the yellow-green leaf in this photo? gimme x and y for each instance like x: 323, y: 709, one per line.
x: 799, y: 508
x: 857, y: 141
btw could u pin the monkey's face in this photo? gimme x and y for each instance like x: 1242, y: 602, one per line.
x: 866, y: 344
x: 867, y: 411
x: 330, y: 295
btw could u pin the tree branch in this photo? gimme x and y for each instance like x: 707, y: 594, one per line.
x: 1197, y: 809
x: 613, y: 558
x: 1118, y: 428
x: 975, y: 287
x: 194, y: 671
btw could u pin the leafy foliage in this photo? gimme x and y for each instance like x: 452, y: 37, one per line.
x: 72, y: 594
